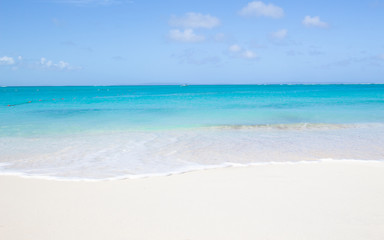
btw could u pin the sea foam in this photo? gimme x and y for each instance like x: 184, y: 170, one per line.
x: 149, y: 153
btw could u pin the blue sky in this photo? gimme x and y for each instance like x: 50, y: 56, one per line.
x: 122, y: 42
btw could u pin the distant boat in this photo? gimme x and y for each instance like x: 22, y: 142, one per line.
x: 183, y: 85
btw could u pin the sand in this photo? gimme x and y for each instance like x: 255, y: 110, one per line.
x: 324, y: 200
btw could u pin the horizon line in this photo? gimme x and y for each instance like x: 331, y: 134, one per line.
x: 187, y: 84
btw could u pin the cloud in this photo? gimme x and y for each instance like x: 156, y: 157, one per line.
x: 61, y: 65
x: 234, y: 48
x: 248, y: 54
x: 194, y: 20
x: 280, y: 34
x: 188, y: 23
x: 238, y: 52
x: 281, y: 38
x: 43, y: 63
x: 5, y: 60
x: 260, y: 9
x: 187, y: 35
x: 314, y: 22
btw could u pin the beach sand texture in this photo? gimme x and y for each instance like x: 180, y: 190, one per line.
x: 321, y: 200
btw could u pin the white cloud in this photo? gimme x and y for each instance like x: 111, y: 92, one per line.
x: 258, y: 9
x: 194, y: 20
x: 187, y: 35
x: 234, y: 48
x: 238, y: 52
x: 248, y: 54
x: 280, y: 34
x: 5, y: 60
x: 43, y: 63
x: 314, y: 22
x: 61, y: 65
x: 188, y: 22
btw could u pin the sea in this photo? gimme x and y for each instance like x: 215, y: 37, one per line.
x: 119, y: 132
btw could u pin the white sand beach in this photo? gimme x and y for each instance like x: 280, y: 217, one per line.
x: 321, y: 200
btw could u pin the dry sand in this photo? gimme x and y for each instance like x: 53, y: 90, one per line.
x: 326, y: 200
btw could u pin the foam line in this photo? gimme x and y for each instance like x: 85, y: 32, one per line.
x: 185, y: 170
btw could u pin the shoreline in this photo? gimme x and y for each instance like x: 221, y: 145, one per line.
x: 326, y: 200
x: 181, y: 171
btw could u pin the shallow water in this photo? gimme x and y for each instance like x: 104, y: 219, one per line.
x: 128, y: 131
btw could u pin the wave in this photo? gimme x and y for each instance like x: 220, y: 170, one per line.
x: 185, y: 170
x: 297, y: 126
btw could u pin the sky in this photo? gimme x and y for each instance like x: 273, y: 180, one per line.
x: 124, y: 42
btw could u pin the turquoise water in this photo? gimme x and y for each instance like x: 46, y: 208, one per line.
x: 121, y: 131
x: 55, y: 110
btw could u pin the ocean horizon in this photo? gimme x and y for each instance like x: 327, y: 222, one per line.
x: 201, y: 84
